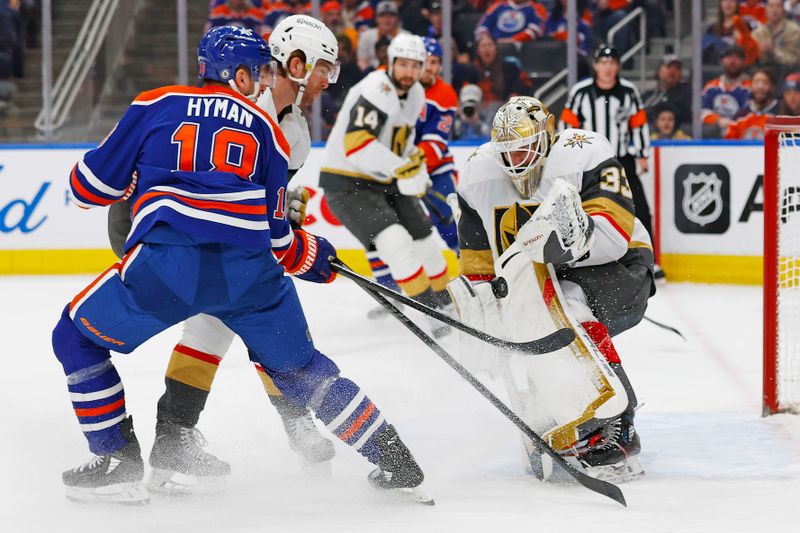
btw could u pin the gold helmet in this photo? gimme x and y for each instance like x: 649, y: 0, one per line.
x: 522, y: 133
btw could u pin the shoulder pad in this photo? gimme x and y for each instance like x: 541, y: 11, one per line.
x: 378, y: 89
x: 577, y: 150
x: 480, y: 166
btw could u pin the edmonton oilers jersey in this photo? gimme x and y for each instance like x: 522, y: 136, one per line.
x: 204, y: 163
x: 435, y: 126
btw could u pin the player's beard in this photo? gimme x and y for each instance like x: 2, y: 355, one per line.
x: 405, y: 83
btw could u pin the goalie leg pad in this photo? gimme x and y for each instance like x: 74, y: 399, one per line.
x: 600, y: 337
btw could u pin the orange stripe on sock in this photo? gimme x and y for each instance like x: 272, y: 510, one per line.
x: 356, y: 425
x: 103, y: 409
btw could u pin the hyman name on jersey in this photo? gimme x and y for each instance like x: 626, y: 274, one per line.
x: 219, y: 108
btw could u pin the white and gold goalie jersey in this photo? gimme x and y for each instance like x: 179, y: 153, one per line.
x: 492, y: 210
x: 372, y: 136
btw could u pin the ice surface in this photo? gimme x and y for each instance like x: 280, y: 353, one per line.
x: 713, y: 464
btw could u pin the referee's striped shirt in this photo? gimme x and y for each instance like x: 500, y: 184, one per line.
x: 617, y: 113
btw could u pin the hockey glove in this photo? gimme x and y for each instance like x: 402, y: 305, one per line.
x: 298, y: 202
x: 560, y: 231
x: 412, y: 176
x: 307, y: 258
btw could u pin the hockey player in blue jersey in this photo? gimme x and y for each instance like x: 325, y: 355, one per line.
x: 205, y: 171
x: 434, y: 128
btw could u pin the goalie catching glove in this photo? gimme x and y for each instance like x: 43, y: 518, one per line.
x: 412, y: 176
x: 307, y: 258
x: 560, y: 231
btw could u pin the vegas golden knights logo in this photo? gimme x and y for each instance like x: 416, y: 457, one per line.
x: 507, y: 221
x: 399, y: 140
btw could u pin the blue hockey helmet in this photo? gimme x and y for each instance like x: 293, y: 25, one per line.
x: 225, y: 48
x: 432, y: 47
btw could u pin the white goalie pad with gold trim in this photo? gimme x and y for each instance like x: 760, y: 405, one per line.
x: 553, y: 393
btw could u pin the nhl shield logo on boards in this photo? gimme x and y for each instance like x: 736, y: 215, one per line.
x: 702, y: 199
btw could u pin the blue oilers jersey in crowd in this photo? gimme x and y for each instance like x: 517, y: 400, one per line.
x: 200, y: 165
x: 506, y: 19
x: 435, y: 126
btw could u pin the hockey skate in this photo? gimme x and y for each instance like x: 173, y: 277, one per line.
x: 112, y: 478
x: 304, y: 438
x: 398, y: 473
x: 181, y: 467
x: 609, y: 454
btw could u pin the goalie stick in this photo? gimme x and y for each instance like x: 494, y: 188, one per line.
x: 601, y: 487
x: 549, y: 343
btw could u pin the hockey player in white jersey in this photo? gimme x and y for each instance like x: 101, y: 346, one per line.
x: 373, y: 174
x: 306, y: 51
x: 531, y: 197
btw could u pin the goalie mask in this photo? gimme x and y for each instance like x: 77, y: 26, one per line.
x: 522, y: 133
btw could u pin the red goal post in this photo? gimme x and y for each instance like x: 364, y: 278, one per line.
x: 782, y: 266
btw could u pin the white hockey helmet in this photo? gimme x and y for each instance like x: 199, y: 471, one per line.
x: 407, y: 46
x: 310, y: 36
x: 523, y: 130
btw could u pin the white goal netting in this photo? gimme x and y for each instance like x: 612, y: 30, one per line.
x: 787, y: 369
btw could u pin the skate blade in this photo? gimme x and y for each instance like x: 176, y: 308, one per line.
x: 171, y: 483
x: 416, y: 494
x: 322, y: 469
x: 118, y: 493
x: 622, y: 472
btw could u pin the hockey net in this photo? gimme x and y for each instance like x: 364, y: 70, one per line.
x: 782, y: 266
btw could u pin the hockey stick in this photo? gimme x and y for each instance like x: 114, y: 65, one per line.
x: 676, y: 331
x: 550, y: 343
x: 601, y: 487
x: 432, y: 208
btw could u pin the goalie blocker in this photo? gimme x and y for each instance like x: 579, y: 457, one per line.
x: 531, y: 197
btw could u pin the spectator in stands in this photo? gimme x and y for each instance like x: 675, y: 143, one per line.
x: 607, y: 13
x: 665, y: 124
x: 331, y: 16
x: 723, y: 97
x: 410, y: 19
x: 728, y: 30
x: 387, y: 20
x: 239, y: 13
x: 793, y: 10
x: 750, y: 121
x: 790, y: 105
x: 498, y: 78
x: 282, y: 9
x: 509, y: 21
x: 432, y: 11
x: 8, y: 45
x: 753, y: 12
x: 556, y: 25
x: 471, y: 123
x: 779, y: 39
x: 357, y: 14
x: 670, y: 90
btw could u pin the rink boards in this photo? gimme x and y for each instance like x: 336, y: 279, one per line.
x: 706, y: 197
